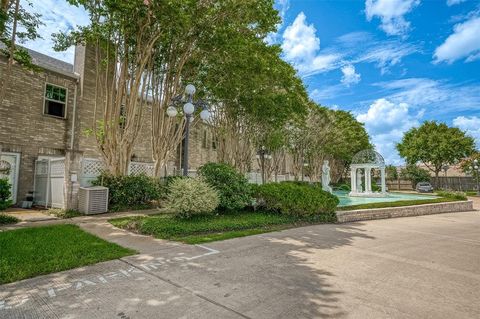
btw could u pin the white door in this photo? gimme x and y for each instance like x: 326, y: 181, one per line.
x: 9, y: 168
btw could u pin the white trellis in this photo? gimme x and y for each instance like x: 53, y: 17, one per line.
x: 92, y: 168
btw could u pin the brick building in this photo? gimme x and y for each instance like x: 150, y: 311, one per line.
x: 43, y: 118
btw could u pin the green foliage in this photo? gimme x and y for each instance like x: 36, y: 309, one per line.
x: 468, y: 163
x: 232, y: 186
x: 415, y: 174
x: 435, y: 145
x: 192, y: 196
x: 207, y: 228
x: 295, y: 199
x: 29, y: 252
x: 129, y: 191
x: 5, y: 194
x: 452, y: 195
x: 341, y: 187
x: 391, y: 172
x: 27, y: 26
x: 7, y: 219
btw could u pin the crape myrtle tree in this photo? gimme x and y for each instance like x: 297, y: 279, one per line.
x: 198, y: 42
x: 255, y: 92
x: 324, y: 134
x: 17, y: 25
x: 154, y: 48
x: 435, y: 145
x: 123, y: 34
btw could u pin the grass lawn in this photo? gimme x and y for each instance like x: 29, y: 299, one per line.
x: 202, y: 229
x: 30, y: 252
x: 399, y: 203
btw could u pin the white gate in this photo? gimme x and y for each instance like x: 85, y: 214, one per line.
x: 9, y: 168
x: 49, y: 182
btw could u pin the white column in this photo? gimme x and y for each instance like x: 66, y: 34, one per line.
x: 382, y: 173
x: 368, y: 180
x: 353, y: 180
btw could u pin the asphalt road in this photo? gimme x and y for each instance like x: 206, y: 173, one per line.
x: 416, y: 267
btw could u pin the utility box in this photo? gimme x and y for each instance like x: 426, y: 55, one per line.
x: 93, y: 200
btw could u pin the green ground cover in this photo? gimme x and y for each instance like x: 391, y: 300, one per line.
x: 202, y: 229
x: 30, y: 252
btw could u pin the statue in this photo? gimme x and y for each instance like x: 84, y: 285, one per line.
x: 326, y: 177
x: 359, y: 181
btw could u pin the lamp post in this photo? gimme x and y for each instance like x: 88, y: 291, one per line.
x: 189, y: 107
x: 263, y: 155
x: 475, y: 169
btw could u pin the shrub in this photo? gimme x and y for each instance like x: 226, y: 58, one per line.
x: 129, y: 192
x: 341, y: 187
x: 7, y: 219
x: 452, y: 195
x: 192, y: 196
x: 233, y: 187
x: 164, y: 185
x: 5, y: 194
x: 295, y: 199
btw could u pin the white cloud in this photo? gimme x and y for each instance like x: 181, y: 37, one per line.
x: 301, y: 47
x: 349, y: 75
x: 391, y: 13
x: 469, y: 124
x: 387, y: 54
x: 454, y: 2
x: 386, y: 122
x: 446, y: 98
x: 464, y: 42
x: 57, y: 16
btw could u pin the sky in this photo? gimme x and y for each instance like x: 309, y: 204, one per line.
x: 392, y: 63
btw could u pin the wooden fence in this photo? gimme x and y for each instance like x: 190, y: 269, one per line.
x: 456, y: 183
x: 399, y: 185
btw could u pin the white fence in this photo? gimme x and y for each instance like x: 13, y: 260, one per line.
x: 49, y: 182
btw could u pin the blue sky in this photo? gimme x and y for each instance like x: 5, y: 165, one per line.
x: 393, y: 63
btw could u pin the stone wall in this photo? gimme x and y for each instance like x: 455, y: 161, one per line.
x: 406, y: 211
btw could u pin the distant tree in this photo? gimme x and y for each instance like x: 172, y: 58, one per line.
x: 415, y: 174
x: 435, y: 145
x: 467, y: 164
x: 391, y: 172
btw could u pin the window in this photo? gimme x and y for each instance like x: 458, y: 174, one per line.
x: 55, y: 100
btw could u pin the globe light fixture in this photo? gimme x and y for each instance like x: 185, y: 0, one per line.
x: 190, y: 89
x: 188, y: 108
x: 172, y: 111
x: 205, y: 115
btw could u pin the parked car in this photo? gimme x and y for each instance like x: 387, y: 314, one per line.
x: 424, y: 187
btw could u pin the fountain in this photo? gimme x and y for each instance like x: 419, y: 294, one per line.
x: 362, y: 164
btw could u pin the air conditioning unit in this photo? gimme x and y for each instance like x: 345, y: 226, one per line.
x: 93, y: 200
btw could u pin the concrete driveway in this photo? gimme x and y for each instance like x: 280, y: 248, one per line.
x: 416, y: 267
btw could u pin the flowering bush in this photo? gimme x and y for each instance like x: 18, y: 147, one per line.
x: 192, y: 196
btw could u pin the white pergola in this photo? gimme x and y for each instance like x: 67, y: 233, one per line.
x: 364, y: 161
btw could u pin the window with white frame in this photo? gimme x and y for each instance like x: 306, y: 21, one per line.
x: 55, y: 100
